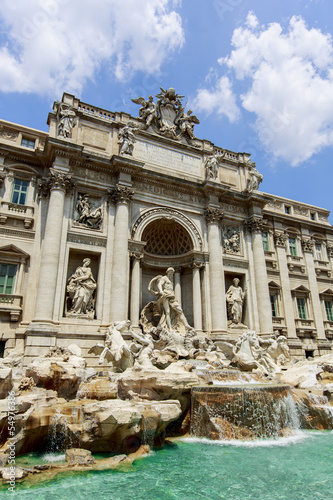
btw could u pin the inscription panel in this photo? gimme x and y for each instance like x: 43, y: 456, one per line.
x: 171, y: 160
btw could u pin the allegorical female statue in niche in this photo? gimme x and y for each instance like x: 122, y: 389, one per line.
x: 81, y: 287
x: 235, y: 299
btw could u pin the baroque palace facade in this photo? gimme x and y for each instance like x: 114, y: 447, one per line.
x: 97, y: 207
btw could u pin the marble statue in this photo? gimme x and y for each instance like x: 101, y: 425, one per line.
x: 115, y: 350
x: 87, y: 217
x: 144, y: 355
x: 186, y: 123
x: 273, y: 348
x: 147, y: 112
x: 81, y: 287
x: 66, y: 120
x: 235, y: 298
x: 255, y: 178
x: 171, y: 314
x: 212, y: 166
x: 231, y: 240
x: 127, y: 138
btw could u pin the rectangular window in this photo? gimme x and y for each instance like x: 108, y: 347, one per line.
x: 7, y: 278
x: 301, y: 307
x: 20, y: 191
x: 28, y: 143
x: 318, y: 251
x: 265, y: 241
x: 287, y: 209
x: 273, y: 299
x: 329, y: 310
x: 292, y: 246
x: 312, y: 216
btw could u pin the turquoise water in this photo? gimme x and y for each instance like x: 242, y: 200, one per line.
x: 295, y: 468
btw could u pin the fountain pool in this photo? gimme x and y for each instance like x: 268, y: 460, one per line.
x: 298, y: 467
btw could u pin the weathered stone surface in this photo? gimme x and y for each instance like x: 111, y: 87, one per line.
x: 46, y: 422
x: 59, y: 375
x: 6, y: 382
x: 100, y: 388
x: 8, y: 476
x: 3, y: 459
x: 303, y: 374
x: 314, y: 408
x: 79, y: 456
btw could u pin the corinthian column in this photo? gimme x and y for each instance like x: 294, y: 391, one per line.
x: 214, y: 217
x: 197, y: 304
x: 121, y: 196
x: 255, y: 226
x: 135, y: 288
x: 307, y: 246
x: 280, y: 243
x: 55, y: 185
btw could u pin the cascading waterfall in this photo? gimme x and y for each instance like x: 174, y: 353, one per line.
x: 59, y: 435
x: 243, y: 412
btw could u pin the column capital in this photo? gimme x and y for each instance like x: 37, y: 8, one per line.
x: 213, y: 215
x: 121, y: 194
x: 255, y: 225
x: 280, y: 239
x: 55, y: 180
x: 197, y: 265
x: 307, y: 244
x: 136, y: 255
x: 329, y: 248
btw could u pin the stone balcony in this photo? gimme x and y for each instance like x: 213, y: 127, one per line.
x: 11, y: 304
x: 23, y: 213
x: 305, y: 328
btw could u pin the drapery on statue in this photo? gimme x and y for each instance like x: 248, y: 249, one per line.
x: 171, y: 314
x: 147, y: 112
x: 80, y: 289
x: 235, y: 299
x: 127, y: 138
x: 186, y: 124
x: 255, y: 178
x: 66, y: 120
x: 87, y: 217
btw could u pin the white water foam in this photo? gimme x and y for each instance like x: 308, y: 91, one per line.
x: 54, y: 457
x: 293, y: 438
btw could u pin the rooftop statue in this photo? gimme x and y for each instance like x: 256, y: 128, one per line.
x: 255, y: 177
x: 168, y: 116
x: 126, y: 137
x: 147, y: 112
x: 212, y: 166
x: 66, y: 119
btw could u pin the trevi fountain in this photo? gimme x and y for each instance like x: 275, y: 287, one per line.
x: 166, y: 413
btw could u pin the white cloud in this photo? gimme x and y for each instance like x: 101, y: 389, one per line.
x: 220, y: 100
x: 289, y: 86
x: 56, y: 45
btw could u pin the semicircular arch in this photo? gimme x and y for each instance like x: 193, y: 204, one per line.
x: 154, y: 214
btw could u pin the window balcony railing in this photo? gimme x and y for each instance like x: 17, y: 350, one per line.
x: 11, y: 304
x: 10, y: 210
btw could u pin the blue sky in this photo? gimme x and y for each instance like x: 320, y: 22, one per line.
x: 257, y: 73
